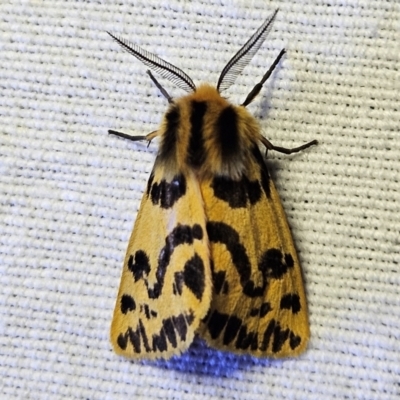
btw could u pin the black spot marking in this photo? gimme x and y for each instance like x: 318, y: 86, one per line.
x: 274, y: 264
x: 136, y: 338
x: 182, y: 234
x: 193, y: 275
x: 178, y: 286
x: 263, y: 169
x: 245, y: 340
x: 267, y: 335
x: 253, y: 190
x: 265, y: 309
x: 230, y: 191
x: 196, y: 150
x: 122, y: 340
x: 146, y: 311
x: 170, y: 326
x: 170, y: 136
x: 166, y: 194
x: 181, y: 323
x: 254, y: 312
x: 228, y: 133
x: 144, y: 336
x: 217, y: 323
x: 127, y: 304
x: 280, y: 336
x: 197, y: 231
x: 169, y: 329
x: 291, y: 302
x: 236, y: 193
x: 262, y: 311
x: 219, y: 232
x: 140, y: 267
x: 160, y: 341
x: 294, y: 340
x: 232, y: 328
x: 289, y: 260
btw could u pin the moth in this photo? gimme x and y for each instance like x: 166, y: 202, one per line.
x: 211, y: 253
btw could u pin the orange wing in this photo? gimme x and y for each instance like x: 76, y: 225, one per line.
x: 258, y: 303
x: 165, y: 287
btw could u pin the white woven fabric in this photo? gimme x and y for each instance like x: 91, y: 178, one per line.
x: 70, y: 192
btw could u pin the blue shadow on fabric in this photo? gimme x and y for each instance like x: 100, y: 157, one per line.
x: 203, y: 360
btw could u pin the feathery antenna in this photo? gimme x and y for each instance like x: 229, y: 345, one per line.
x: 239, y: 61
x: 158, y: 65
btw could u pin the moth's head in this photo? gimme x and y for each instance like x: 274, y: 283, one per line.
x: 228, y: 75
x: 207, y: 93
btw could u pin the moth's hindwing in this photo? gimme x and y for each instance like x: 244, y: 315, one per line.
x: 165, y: 287
x: 258, y: 304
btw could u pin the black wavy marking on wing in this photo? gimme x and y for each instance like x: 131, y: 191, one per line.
x: 139, y: 263
x: 173, y: 329
x: 239, y: 61
x: 158, y: 65
x: 235, y: 331
x: 272, y: 265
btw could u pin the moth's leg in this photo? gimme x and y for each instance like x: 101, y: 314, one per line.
x: 270, y: 146
x: 256, y: 89
x: 149, y: 137
x: 160, y: 88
